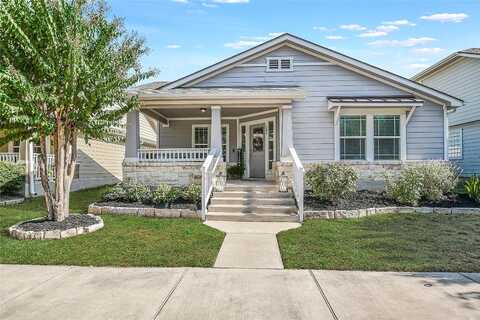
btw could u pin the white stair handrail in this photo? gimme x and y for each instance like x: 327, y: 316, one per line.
x: 209, y: 168
x: 298, y: 185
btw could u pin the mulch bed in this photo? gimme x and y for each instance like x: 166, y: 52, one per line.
x: 72, y: 221
x: 369, y: 199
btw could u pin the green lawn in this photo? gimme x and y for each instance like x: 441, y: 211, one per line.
x: 124, y: 241
x: 397, y: 242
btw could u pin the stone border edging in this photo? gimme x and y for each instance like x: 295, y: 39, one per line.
x: 144, y: 212
x: 11, y: 202
x: 17, y: 233
x: 358, y: 213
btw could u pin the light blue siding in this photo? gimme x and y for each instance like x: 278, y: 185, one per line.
x: 470, y: 162
x: 313, y: 130
x: 462, y: 79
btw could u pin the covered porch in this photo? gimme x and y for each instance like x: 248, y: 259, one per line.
x: 251, y: 127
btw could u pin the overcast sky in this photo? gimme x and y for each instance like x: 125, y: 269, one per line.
x: 402, y: 36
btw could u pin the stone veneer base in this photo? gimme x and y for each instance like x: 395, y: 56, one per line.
x: 358, y: 213
x: 144, y: 212
x: 17, y: 233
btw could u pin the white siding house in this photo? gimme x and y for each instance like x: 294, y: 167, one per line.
x: 459, y: 75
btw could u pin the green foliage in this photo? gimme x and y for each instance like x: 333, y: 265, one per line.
x: 12, y: 177
x: 429, y: 182
x: 472, y: 188
x: 65, y: 60
x: 129, y: 192
x: 235, y: 172
x: 332, y: 182
x: 166, y: 195
x: 193, y: 193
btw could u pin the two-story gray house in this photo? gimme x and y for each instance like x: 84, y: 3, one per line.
x: 287, y: 104
x: 459, y: 75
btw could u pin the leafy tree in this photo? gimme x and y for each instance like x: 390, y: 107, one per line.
x: 64, y: 70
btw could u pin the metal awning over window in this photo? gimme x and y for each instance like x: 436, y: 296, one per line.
x: 373, y: 101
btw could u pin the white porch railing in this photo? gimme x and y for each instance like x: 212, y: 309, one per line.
x: 173, y: 155
x: 50, y: 166
x: 9, y: 157
x: 298, y: 185
x: 209, y: 169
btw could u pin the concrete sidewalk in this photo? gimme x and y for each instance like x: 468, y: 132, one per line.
x: 48, y: 292
x: 250, y: 245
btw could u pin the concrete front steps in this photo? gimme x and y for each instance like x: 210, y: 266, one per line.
x: 252, y: 201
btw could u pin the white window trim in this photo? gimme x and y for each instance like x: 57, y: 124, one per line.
x: 227, y: 146
x: 354, y: 137
x: 370, y: 113
x: 279, y: 64
x: 460, y: 157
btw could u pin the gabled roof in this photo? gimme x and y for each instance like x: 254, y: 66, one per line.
x: 326, y: 54
x: 467, y: 53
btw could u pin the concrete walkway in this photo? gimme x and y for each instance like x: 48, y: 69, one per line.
x: 48, y: 292
x: 250, y: 245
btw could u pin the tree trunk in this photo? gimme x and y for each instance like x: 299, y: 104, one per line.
x: 65, y: 152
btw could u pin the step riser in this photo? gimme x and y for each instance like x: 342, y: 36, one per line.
x: 252, y: 218
x: 251, y: 209
x: 236, y: 194
x: 248, y: 189
x: 253, y: 202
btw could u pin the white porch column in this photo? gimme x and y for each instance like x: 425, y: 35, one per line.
x: 216, y: 128
x: 132, y: 143
x: 287, y: 131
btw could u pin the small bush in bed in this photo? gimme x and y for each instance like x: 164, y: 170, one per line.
x: 166, y: 195
x: 193, y: 193
x: 472, y: 188
x: 129, y: 192
x: 428, y: 182
x: 12, y: 178
x: 331, y: 182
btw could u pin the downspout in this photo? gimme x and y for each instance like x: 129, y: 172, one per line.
x: 445, y: 133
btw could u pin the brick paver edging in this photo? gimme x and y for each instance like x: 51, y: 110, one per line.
x: 16, y: 232
x: 145, y: 212
x: 349, y: 214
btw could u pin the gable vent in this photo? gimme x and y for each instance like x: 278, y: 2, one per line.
x: 279, y: 64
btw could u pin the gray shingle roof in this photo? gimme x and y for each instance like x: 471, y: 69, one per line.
x: 471, y: 51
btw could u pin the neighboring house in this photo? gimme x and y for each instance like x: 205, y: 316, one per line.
x: 99, y: 162
x: 286, y: 103
x: 459, y: 75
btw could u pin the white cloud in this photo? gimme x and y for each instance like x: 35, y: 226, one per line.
x: 446, y: 17
x: 387, y: 28
x: 401, y: 22
x: 209, y: 5
x: 323, y: 29
x: 353, y: 27
x: 172, y: 46
x: 231, y: 1
x: 334, y: 37
x: 250, y: 41
x: 181, y: 1
x: 372, y: 34
x: 418, y: 66
x: 428, y: 51
x: 411, y: 42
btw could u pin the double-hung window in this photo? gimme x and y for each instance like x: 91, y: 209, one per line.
x: 201, y: 138
x: 353, y: 135
x: 455, y: 144
x: 386, y: 140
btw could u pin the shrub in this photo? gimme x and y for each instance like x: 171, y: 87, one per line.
x: 472, y: 187
x: 332, y: 182
x: 193, y: 193
x: 12, y: 177
x: 129, y: 192
x: 429, y: 182
x: 235, y: 172
x: 165, y: 195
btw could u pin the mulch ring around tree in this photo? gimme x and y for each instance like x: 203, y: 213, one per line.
x: 44, y: 229
x: 369, y: 199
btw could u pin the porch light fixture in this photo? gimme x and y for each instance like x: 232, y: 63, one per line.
x: 203, y: 110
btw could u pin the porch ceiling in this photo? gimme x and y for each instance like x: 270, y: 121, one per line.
x: 196, y: 112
